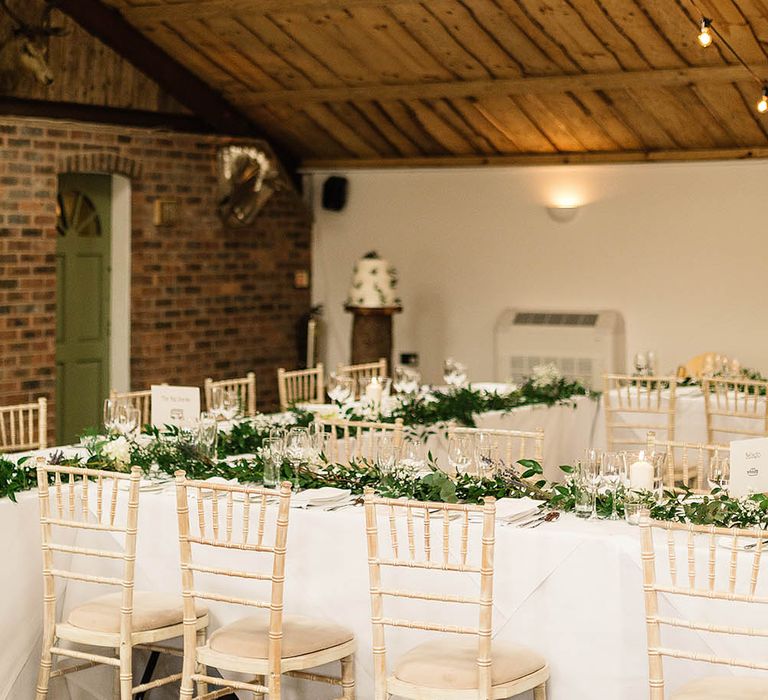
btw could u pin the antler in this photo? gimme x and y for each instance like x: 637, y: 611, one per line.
x: 24, y: 27
x: 50, y: 5
x: 21, y: 24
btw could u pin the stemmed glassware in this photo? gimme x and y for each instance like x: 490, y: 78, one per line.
x: 225, y: 403
x: 592, y: 475
x: 614, y: 471
x: 110, y: 414
x: 126, y: 418
x: 460, y: 453
x: 298, y: 449
x: 386, y: 453
x: 341, y: 387
x: 486, y: 451
x: 412, y: 456
x: 454, y: 373
x: 719, y: 472
x: 407, y: 380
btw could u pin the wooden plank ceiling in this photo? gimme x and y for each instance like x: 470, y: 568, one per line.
x: 402, y: 82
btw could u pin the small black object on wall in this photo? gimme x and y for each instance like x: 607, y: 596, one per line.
x: 335, y: 190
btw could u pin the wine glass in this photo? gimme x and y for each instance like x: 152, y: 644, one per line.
x: 298, y: 449
x: 341, y: 387
x: 460, y: 453
x: 486, y: 454
x: 110, y: 414
x: 230, y: 404
x: 591, y: 470
x: 719, y: 472
x: 386, y: 453
x: 127, y: 418
x: 613, y: 473
x: 412, y: 456
x: 641, y: 363
x: 217, y: 401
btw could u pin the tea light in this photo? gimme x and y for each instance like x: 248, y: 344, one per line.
x: 641, y: 475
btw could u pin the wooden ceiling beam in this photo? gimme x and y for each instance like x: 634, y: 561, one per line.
x: 625, y: 80
x: 583, y: 158
x: 145, y: 15
x: 107, y: 25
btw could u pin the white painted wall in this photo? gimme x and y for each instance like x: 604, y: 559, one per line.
x: 679, y: 249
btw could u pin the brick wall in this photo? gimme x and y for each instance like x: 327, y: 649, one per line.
x: 205, y: 300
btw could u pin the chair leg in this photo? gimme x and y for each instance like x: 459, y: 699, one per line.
x: 540, y: 692
x: 116, y: 683
x: 260, y: 680
x: 202, y: 687
x: 126, y: 672
x: 348, y: 677
x: 44, y: 674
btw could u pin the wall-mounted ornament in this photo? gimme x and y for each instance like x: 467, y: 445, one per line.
x: 166, y: 212
x: 248, y: 177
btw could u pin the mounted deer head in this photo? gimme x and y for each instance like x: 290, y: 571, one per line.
x: 27, y: 48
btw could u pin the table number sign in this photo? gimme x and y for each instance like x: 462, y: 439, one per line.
x: 749, y: 467
x: 175, y: 405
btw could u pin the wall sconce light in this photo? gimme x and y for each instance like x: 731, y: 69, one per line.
x: 563, y: 213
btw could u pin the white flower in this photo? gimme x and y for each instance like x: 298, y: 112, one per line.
x: 545, y: 375
x: 118, y: 450
x: 749, y: 505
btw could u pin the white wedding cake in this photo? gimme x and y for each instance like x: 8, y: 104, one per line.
x: 373, y: 283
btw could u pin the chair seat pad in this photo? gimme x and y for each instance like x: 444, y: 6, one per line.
x: 723, y: 688
x: 449, y: 663
x: 249, y: 636
x: 151, y: 611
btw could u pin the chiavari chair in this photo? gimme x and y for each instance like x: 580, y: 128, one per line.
x: 509, y: 445
x: 244, y: 386
x: 78, y: 500
x: 24, y: 426
x: 635, y: 404
x: 350, y: 440
x: 265, y: 645
x: 695, y: 575
x: 362, y: 372
x: 301, y: 386
x: 687, y: 463
x: 469, y: 667
x: 735, y: 409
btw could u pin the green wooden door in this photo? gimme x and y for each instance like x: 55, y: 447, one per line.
x: 82, y: 286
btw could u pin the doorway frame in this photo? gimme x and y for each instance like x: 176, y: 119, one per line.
x: 120, y: 285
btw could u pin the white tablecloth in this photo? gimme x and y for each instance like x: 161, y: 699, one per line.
x: 569, y: 589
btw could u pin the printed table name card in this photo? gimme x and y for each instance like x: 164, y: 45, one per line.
x: 749, y: 467
x: 175, y: 405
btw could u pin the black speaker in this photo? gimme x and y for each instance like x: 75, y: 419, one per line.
x: 335, y: 193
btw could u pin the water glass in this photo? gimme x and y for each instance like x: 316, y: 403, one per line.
x: 272, y: 452
x: 127, y: 419
x: 592, y: 471
x: 719, y: 472
x: 412, y: 457
x: 486, y: 454
x: 110, y: 413
x: 407, y: 380
x: 277, y: 431
x: 460, y: 453
x: 341, y: 387
x: 207, y: 435
x: 298, y: 449
x: 386, y: 453
x: 582, y: 489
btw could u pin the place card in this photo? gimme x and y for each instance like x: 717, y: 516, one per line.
x: 175, y: 405
x: 749, y: 467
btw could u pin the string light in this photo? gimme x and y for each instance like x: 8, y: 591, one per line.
x: 706, y: 30
x: 705, y: 36
x: 762, y: 105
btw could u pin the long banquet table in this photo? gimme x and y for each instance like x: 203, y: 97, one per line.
x: 570, y: 589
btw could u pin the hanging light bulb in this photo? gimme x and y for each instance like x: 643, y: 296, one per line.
x: 762, y: 105
x: 705, y: 35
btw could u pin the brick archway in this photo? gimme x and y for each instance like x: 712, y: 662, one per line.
x: 100, y: 163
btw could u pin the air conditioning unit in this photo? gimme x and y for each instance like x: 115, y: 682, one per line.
x: 582, y: 345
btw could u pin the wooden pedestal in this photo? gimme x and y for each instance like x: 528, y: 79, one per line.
x: 372, y: 333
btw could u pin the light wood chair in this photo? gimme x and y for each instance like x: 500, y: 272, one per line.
x: 363, y: 371
x: 509, y: 445
x: 633, y: 405
x: 442, y: 669
x: 736, y: 409
x: 266, y: 646
x: 138, y: 399
x: 76, y: 499
x: 24, y: 426
x: 702, y: 580
x: 244, y: 386
x: 347, y: 441
x: 687, y: 463
x: 301, y: 386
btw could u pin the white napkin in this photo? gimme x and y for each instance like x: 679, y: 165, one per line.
x: 322, y: 497
x: 513, y: 508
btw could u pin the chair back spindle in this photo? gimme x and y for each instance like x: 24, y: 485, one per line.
x: 244, y: 386
x: 301, y: 386
x: 736, y: 409
x: 24, y: 426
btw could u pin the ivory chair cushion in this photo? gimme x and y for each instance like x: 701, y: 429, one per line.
x: 452, y: 663
x: 249, y: 636
x: 150, y: 611
x: 723, y: 688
